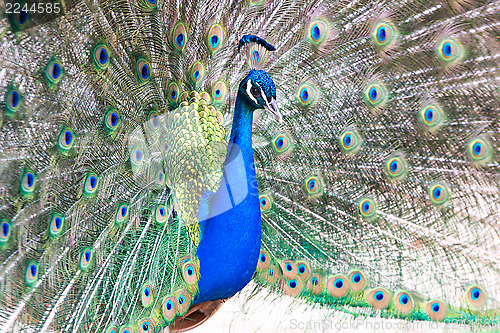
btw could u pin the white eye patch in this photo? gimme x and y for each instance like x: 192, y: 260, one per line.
x: 249, y: 93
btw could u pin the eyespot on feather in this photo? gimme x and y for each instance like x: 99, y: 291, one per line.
x: 183, y: 301
x: 215, y: 38
x: 173, y: 92
x: 438, y: 194
x: 146, y: 325
x: 338, y: 286
x: 197, y: 72
x: 375, y: 95
x: 264, y: 260
x: 146, y: 295
x: 91, y: 184
x: 303, y: 270
x: 169, y: 309
x: 219, y: 92
x: 289, y: 269
x: 379, y: 298
x: 179, y: 36
x: 282, y: 144
x: 306, y: 94
x: 266, y: 202
x: 31, y: 274
x: 367, y: 208
x: 28, y: 183
x: 161, y: 214
x: 190, y: 273
x: 436, y: 310
x: 272, y: 274
x: 431, y: 116
x: 349, y: 140
x: 316, y: 283
x: 292, y: 287
x: 317, y: 31
x: 479, y: 150
x: 143, y: 69
x: 100, y: 57
x: 86, y: 259
x: 13, y: 100
x: 56, y: 224
x: 476, y: 297
x: 384, y: 34
x: 404, y: 302
x: 112, y: 329
x: 54, y: 71
x: 313, y: 186
x: 357, y: 281
x: 66, y: 140
x: 5, y: 232
x: 450, y: 51
x: 396, y: 167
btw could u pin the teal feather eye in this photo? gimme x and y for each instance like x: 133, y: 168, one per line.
x: 150, y: 4
x: 215, y: 37
x: 396, y: 167
x: 384, y: 34
x: 256, y: 2
x: 316, y: 284
x: 313, y: 186
x: 54, y: 71
x: 350, y: 141
x: 197, y: 72
x: 136, y: 157
x: 5, y: 232
x: 438, y: 194
x: 56, y: 225
x: 154, y: 120
x: 28, y: 182
x: 436, y: 310
x: 31, y: 274
x: 20, y: 19
x: 169, y: 308
x: 338, y: 286
x: 143, y: 69
x: 379, y: 298
x: 86, y: 259
x: 449, y: 50
x: 317, y: 31
x: 66, y: 140
x: 367, y: 208
x: 122, y: 213
x: 179, y: 36
x: 476, y: 297
x: 112, y: 120
x: 375, y: 94
x: 100, y: 56
x: 303, y: 270
x: 146, y: 325
x: 479, y: 150
x: 431, y: 116
x: 357, y: 281
x: 13, y: 100
x: 190, y: 273
x: 219, y: 91
x: 282, y: 143
x: 264, y: 260
x: 161, y: 214
x: 147, y: 295
x: 293, y: 287
x: 266, y: 202
x: 183, y: 302
x: 91, y: 182
x: 404, y: 303
x: 173, y: 92
x: 160, y: 178
x: 306, y: 94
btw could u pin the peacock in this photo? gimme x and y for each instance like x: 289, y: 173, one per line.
x: 157, y: 156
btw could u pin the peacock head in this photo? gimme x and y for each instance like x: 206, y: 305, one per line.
x: 259, y: 92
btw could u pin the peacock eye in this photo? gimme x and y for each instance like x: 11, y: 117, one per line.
x: 255, y: 92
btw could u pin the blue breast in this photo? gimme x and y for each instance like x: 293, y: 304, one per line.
x: 230, y: 231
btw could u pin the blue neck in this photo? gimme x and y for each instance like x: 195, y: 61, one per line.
x: 230, y: 241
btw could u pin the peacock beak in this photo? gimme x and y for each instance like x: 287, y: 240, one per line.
x: 273, y: 108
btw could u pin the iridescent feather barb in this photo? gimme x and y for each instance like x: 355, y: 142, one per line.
x: 138, y: 190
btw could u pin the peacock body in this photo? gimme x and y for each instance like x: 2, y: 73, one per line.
x: 141, y: 183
